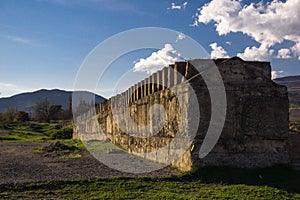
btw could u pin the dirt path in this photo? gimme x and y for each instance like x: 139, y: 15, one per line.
x: 18, y: 164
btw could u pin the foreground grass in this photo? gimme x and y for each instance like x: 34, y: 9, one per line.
x: 208, y: 183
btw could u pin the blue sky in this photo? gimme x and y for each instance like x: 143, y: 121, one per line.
x: 44, y: 42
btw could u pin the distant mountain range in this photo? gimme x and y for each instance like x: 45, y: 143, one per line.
x: 292, y: 82
x: 25, y: 101
x: 293, y: 85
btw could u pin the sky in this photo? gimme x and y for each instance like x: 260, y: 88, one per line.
x: 43, y: 43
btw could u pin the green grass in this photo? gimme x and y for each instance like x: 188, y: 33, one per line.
x: 27, y: 132
x: 71, y: 155
x: 207, y: 183
x: 35, y: 132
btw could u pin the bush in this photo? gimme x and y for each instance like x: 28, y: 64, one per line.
x: 22, y: 116
x: 63, y: 133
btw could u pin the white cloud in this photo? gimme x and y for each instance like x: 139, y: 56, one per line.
x: 261, y: 53
x: 17, y: 39
x: 228, y: 43
x: 284, y: 53
x: 178, y: 7
x: 217, y: 51
x: 9, y: 89
x: 180, y: 36
x: 268, y: 24
x: 277, y: 74
x: 158, y: 60
x: 296, y: 49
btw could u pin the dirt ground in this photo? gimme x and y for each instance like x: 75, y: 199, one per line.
x: 19, y: 164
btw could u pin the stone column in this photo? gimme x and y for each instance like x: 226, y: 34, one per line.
x: 145, y: 87
x: 129, y: 95
x: 175, y: 74
x: 136, y: 92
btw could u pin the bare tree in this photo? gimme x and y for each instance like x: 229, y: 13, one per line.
x: 9, y: 114
x: 41, y: 110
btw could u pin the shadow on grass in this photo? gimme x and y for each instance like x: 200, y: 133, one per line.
x: 281, y: 177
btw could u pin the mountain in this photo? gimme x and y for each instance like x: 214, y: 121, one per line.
x: 293, y: 85
x: 25, y: 101
x: 292, y: 82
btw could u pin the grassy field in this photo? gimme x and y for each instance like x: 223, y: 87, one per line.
x: 208, y: 183
x: 36, y: 132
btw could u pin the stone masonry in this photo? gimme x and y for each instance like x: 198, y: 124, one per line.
x: 256, y: 124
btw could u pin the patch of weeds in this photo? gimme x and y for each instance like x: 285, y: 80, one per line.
x: 63, y: 133
x: 71, y: 155
x: 59, y: 149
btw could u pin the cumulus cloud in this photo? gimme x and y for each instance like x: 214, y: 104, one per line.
x: 261, y: 53
x: 268, y: 24
x: 284, y: 53
x: 217, y: 51
x: 180, y: 36
x: 178, y: 7
x: 157, y: 60
x: 277, y: 74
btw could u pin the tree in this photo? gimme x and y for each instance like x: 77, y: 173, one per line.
x: 9, y: 114
x: 55, y: 112
x: 41, y: 110
x: 22, y: 116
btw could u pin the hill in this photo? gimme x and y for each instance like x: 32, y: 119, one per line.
x: 25, y: 101
x: 293, y: 85
x: 292, y: 82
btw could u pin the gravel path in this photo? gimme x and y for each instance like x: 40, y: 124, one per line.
x: 18, y: 164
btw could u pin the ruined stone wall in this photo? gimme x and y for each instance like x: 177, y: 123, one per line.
x: 256, y: 125
x: 257, y: 121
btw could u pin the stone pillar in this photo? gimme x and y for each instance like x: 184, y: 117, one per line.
x: 136, y: 92
x: 169, y: 77
x: 164, y: 78
x: 154, y: 83
x: 145, y: 87
x: 175, y: 74
x: 129, y: 95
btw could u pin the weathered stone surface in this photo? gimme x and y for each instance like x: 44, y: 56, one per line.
x: 256, y: 124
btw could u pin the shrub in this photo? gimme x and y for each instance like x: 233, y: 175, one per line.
x: 63, y: 133
x: 22, y: 116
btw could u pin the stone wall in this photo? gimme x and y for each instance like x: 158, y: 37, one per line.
x: 255, y: 129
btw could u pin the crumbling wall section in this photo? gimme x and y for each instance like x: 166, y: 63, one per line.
x: 256, y: 124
